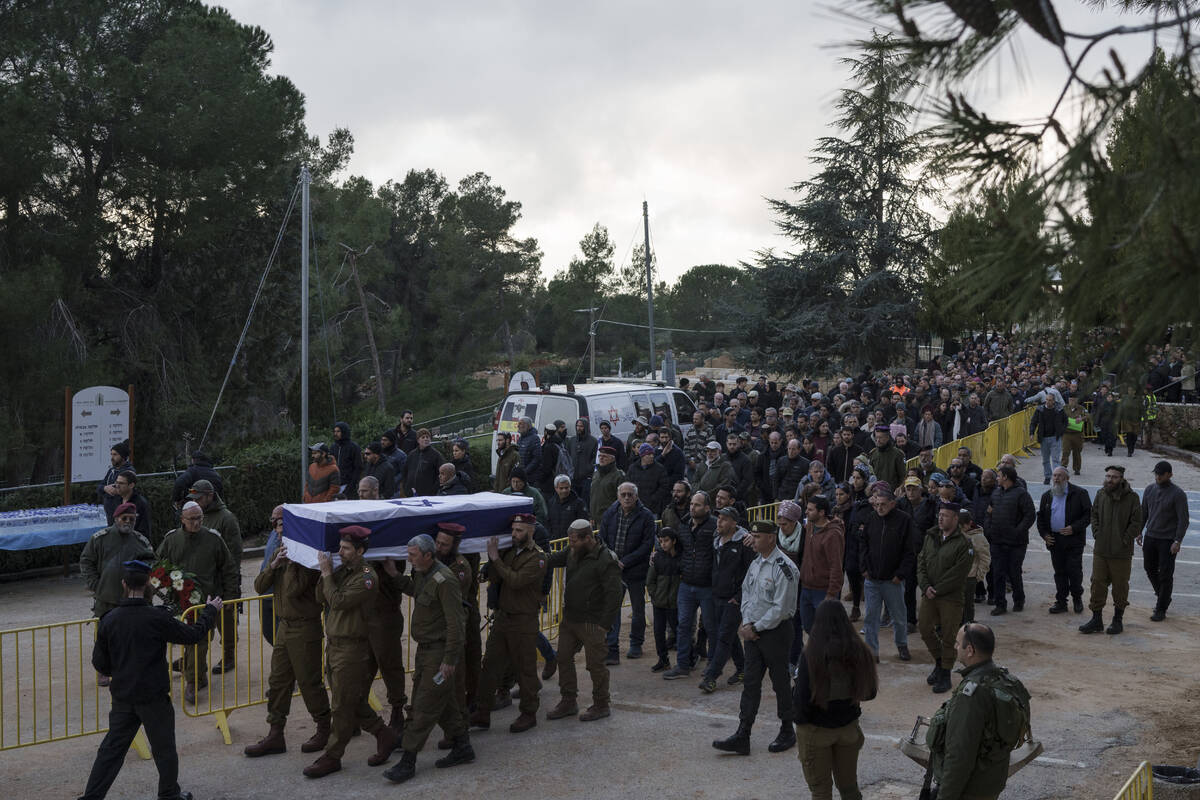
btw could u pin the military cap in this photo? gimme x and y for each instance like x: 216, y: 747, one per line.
x: 137, y: 566
x: 946, y: 506
x: 764, y: 526
x: 125, y: 508
x: 524, y: 519
x: 355, y: 533
x: 451, y: 527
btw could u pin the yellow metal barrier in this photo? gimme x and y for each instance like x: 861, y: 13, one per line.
x: 1008, y: 435
x: 1140, y: 785
x: 48, y: 689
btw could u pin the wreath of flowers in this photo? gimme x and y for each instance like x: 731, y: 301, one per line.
x: 174, y: 587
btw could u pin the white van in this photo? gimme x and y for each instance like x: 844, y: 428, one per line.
x: 617, y: 403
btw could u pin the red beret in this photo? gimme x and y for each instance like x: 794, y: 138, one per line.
x: 450, y: 527
x: 354, y: 532
x: 125, y: 508
x: 528, y: 519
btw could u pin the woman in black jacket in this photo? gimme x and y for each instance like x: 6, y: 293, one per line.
x: 836, y: 675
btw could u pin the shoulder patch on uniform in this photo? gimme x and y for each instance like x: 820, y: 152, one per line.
x: 439, y: 577
x: 541, y: 563
x: 781, y: 562
x: 99, y: 532
x: 969, y: 687
x: 370, y: 584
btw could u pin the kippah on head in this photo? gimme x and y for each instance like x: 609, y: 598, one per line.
x: 882, y: 487
x: 190, y: 504
x: 580, y: 525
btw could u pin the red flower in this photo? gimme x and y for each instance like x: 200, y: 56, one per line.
x: 160, y: 573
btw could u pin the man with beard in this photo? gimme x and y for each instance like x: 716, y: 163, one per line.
x: 768, y: 465
x: 841, y: 456
x: 406, y: 435
x: 378, y: 467
x: 627, y: 530
x: 743, y: 469
x: 1064, y: 513
x: 1009, y: 519
x: 605, y: 482
x: 512, y: 641
x: 220, y: 519
x: 887, y: 462
x: 349, y: 459
x: 106, y: 491
x: 581, y: 452
x: 694, y: 442
x: 1116, y: 522
x: 506, y: 458
x: 613, y: 443
x: 322, y: 483
x: 678, y: 511
x: 790, y: 471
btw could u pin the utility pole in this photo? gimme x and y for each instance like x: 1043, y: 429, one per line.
x: 305, y: 180
x: 591, y: 312
x: 649, y: 283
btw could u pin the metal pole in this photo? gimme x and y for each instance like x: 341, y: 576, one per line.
x: 67, y: 446
x: 305, y: 180
x: 592, y: 340
x: 649, y: 283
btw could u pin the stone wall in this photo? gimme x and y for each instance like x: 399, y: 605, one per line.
x: 1173, y: 418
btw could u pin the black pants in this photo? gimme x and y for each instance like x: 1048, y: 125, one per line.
x: 1108, y: 437
x: 662, y: 620
x: 910, y: 597
x: 768, y: 653
x: 1068, y: 572
x: 1130, y: 442
x: 1007, y: 560
x: 1159, y: 562
x: 855, y: 579
x: 158, y: 718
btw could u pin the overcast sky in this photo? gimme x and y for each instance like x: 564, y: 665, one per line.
x: 582, y: 111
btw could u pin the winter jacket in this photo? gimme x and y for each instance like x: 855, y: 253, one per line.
x: 466, y: 472
x: 1048, y: 423
x: 743, y: 470
x: 201, y: 469
x: 710, y: 477
x: 788, y: 473
x: 730, y: 561
x: 539, y: 501
x: 615, y: 444
x: 422, y: 477
x: 974, y: 420
x: 529, y: 447
x: 887, y: 463
x: 639, y: 540
x: 945, y: 564
x: 998, y: 404
x: 204, y: 554
x: 768, y: 465
x: 322, y: 484
x: 696, y: 552
x: 840, y: 464
x: 824, y: 550
x: 222, y: 520
x: 399, y: 461
x: 592, y: 591
x: 581, y: 452
x: 1078, y: 516
x: 927, y: 433
x: 654, y: 487
x: 675, y: 464
x: 662, y: 580
x: 827, y: 485
x: 675, y: 518
x: 101, y: 564
x: 604, y: 490
x: 695, y: 441
x: 887, y: 545
x: 561, y: 513
x: 382, y: 471
x: 504, y: 463
x: 348, y: 457
x: 983, y: 554
x: 1011, y: 518
x: 1116, y: 521
x: 453, y: 487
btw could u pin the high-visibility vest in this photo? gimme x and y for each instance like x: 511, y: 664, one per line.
x: 1075, y: 424
x: 1150, y: 411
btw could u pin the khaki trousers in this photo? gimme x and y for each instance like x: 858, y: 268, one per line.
x: 589, y: 637
x: 829, y: 756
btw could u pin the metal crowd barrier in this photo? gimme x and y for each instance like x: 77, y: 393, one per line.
x: 48, y: 689
x: 1140, y: 785
x: 1008, y: 435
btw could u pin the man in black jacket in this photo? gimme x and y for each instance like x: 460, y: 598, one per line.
x: 563, y: 508
x: 731, y: 556
x: 581, y: 452
x: 768, y: 465
x: 381, y: 469
x: 627, y: 529
x: 789, y: 471
x: 695, y: 582
x: 1009, y: 518
x: 650, y: 477
x: 349, y: 459
x: 743, y: 469
x: 887, y: 552
x: 201, y: 469
x: 841, y: 456
x: 423, y: 464
x: 1048, y: 424
x: 1064, y: 513
x: 131, y: 646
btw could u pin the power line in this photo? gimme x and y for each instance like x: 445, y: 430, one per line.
x: 656, y: 327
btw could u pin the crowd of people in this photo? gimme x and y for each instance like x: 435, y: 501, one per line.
x: 663, y: 516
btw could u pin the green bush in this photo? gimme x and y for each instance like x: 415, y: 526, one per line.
x: 1188, y: 439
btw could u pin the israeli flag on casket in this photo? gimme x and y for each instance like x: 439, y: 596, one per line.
x: 310, y: 528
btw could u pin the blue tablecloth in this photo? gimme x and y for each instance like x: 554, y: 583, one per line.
x: 31, y: 528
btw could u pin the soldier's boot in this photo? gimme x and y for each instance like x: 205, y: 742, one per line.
x: 523, y: 723
x: 269, y: 745
x: 396, y: 722
x: 1093, y: 625
x: 480, y: 719
x: 567, y: 707
x: 385, y: 743
x: 404, y: 769
x: 933, y: 674
x: 738, y: 743
x: 786, y: 739
x: 1116, y: 626
x: 460, y: 753
x: 325, y: 765
x: 316, y: 743
x: 942, y: 684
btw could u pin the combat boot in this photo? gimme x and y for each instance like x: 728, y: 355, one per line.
x: 738, y: 743
x: 1093, y: 625
x: 786, y: 739
x: 316, y: 743
x: 1116, y: 626
x: 480, y: 719
x: 942, y: 684
x: 404, y: 769
x: 933, y: 675
x: 385, y: 743
x: 396, y: 723
x: 269, y: 745
x: 460, y: 753
x: 325, y: 765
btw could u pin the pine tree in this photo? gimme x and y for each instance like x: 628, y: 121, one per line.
x: 847, y: 295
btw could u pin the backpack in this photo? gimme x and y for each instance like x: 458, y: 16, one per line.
x: 563, y: 464
x: 1012, y: 706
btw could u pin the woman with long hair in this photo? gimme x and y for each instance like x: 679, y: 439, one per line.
x: 836, y: 675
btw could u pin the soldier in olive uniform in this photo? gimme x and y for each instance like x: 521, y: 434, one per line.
x: 346, y: 593
x: 437, y: 624
x: 971, y: 736
x: 944, y: 562
x: 385, y: 631
x: 512, y: 642
x: 219, y: 518
x: 201, y: 551
x: 295, y: 654
x: 591, y: 599
x: 466, y: 569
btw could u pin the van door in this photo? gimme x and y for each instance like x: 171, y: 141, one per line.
x: 684, y: 409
